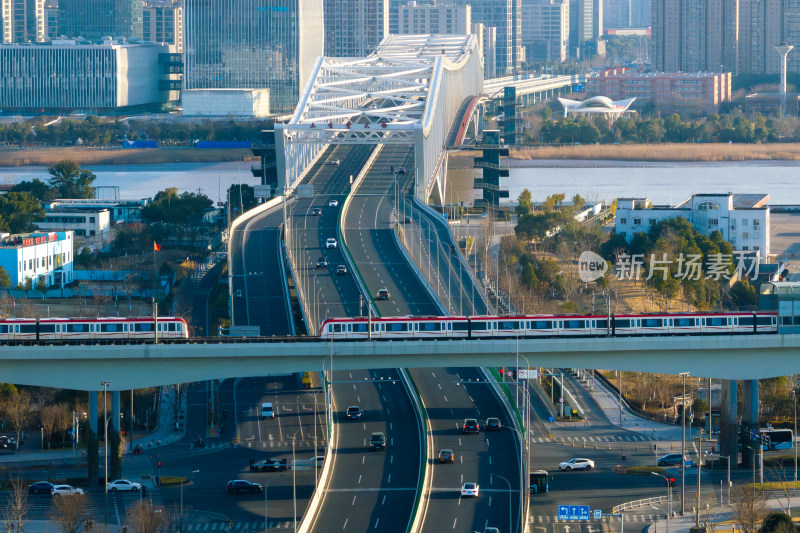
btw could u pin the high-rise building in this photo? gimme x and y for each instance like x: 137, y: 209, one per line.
x: 640, y: 13
x: 22, y: 21
x: 414, y: 19
x: 487, y: 37
x: 500, y: 14
x: 95, y: 19
x: 162, y: 22
x: 253, y: 44
x: 585, y: 24
x: 545, y: 30
x: 617, y: 13
x: 353, y: 28
x: 51, y: 19
x: 694, y: 36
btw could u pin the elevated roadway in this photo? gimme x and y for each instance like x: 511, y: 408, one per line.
x: 82, y: 367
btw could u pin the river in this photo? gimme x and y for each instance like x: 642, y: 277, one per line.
x: 662, y: 182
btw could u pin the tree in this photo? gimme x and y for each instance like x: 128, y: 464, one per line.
x: 5, y: 279
x: 69, y: 513
x: 71, y: 181
x: 142, y: 518
x: 37, y: 188
x: 777, y: 522
x: 176, y: 394
x: 16, y: 507
x: 743, y: 293
x: 18, y: 409
x: 524, y: 207
x: 41, y: 285
x: 749, y: 506
x: 18, y: 211
x: 48, y: 416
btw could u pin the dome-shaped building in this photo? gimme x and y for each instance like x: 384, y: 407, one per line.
x: 597, y: 105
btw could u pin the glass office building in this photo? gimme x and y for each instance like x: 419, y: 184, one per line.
x: 253, y: 44
x: 93, y: 19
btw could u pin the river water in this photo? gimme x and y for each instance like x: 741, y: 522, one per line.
x: 667, y: 182
x: 662, y: 182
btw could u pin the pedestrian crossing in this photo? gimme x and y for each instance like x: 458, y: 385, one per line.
x: 285, y: 444
x: 239, y: 527
x: 629, y: 518
x: 610, y: 438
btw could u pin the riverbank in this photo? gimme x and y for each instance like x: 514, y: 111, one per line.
x: 15, y: 157
x: 664, y: 152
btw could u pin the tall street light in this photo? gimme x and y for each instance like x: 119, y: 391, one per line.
x: 314, y: 395
x: 683, y: 443
x: 669, y: 496
x: 105, y: 385
x: 182, y: 483
x: 510, y: 518
x: 294, y: 479
x: 266, y: 509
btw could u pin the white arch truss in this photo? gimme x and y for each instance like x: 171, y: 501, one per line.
x: 406, y: 92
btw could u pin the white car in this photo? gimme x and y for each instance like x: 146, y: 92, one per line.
x: 469, y: 490
x: 123, y: 484
x: 333, y: 203
x: 331, y: 243
x: 576, y: 464
x: 66, y: 490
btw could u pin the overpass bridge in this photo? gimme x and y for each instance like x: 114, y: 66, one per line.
x: 83, y: 367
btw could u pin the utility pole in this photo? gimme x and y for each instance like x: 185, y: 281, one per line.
x: 683, y: 443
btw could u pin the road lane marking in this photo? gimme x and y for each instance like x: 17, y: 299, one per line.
x: 356, y: 496
x: 383, y: 500
x: 359, y: 479
x: 345, y: 523
x: 455, y: 519
x: 490, y: 501
x: 376, y: 523
x: 389, y: 479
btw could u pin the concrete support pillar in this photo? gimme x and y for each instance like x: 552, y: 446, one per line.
x: 728, y: 421
x: 91, y: 442
x: 749, y: 415
x: 114, y: 438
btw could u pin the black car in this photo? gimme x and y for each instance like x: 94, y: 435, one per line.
x: 241, y: 485
x: 322, y: 263
x: 377, y: 441
x: 41, y: 487
x: 446, y: 456
x: 354, y: 412
x: 493, y: 424
x: 470, y: 426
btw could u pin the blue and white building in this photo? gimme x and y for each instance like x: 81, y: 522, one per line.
x: 47, y: 255
x: 743, y: 219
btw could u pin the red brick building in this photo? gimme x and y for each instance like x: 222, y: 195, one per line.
x: 679, y: 92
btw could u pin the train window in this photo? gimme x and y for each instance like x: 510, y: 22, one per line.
x: 717, y: 321
x: 27, y: 328
x: 623, y: 323
x: 774, y: 320
x: 160, y: 326
x: 397, y: 326
x: 746, y: 321
x: 786, y: 320
x: 431, y: 326
x: 542, y: 324
x: 112, y: 327
x: 47, y: 328
x: 507, y: 325
x: 179, y: 326
x: 478, y: 326
x: 703, y: 321
x: 144, y: 326
x: 670, y: 321
x: 349, y: 328
x: 416, y: 326
x: 574, y: 324
x: 652, y: 322
x: 729, y: 321
x: 337, y: 328
x: 76, y: 328
x: 360, y: 328
x: 638, y: 322
x: 560, y: 324
x: 460, y: 326
x: 450, y: 326
x: 376, y: 327
x: 3, y: 328
x: 171, y: 326
x: 735, y: 321
x: 765, y: 320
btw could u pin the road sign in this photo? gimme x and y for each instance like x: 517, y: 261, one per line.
x: 551, y: 419
x: 574, y: 512
x: 561, y: 400
x: 262, y: 191
x: 527, y: 373
x: 598, y: 514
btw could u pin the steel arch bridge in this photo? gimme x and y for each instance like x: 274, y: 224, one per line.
x: 407, y: 92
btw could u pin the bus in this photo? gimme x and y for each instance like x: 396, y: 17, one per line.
x: 779, y: 439
x: 539, y: 482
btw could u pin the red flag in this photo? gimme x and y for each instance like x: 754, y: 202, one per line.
x: 156, y: 246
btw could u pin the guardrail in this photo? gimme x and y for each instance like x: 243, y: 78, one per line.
x: 310, y: 516
x: 645, y: 502
x: 425, y: 480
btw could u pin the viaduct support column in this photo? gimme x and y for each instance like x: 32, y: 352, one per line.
x: 749, y: 416
x: 114, y: 440
x: 91, y: 442
x: 728, y: 421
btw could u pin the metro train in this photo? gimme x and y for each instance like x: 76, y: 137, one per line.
x: 480, y: 327
x: 76, y: 329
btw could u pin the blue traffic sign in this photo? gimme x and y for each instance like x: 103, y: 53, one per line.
x: 574, y: 512
x: 598, y: 514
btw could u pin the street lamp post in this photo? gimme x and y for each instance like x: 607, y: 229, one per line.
x: 315, y: 438
x: 510, y: 519
x: 683, y: 443
x: 294, y: 479
x: 669, y: 496
x: 266, y: 509
x: 699, y: 468
x: 105, y: 385
x: 182, y: 482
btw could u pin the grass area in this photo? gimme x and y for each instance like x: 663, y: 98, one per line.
x: 642, y: 470
x: 167, y: 481
x: 511, y: 400
x: 11, y: 157
x: 665, y: 152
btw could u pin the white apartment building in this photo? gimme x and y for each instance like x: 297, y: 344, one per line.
x: 415, y: 19
x: 83, y: 222
x: 120, y: 210
x: 41, y: 254
x: 743, y: 219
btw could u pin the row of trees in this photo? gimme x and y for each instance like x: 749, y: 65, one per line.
x: 638, y: 129
x: 95, y: 131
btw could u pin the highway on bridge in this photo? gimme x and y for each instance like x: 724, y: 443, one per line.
x: 369, y: 237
